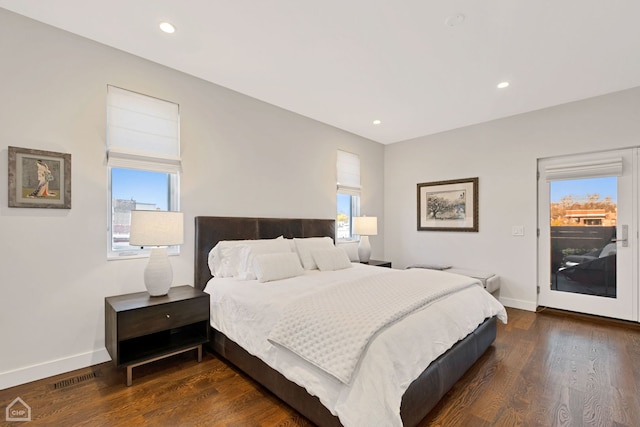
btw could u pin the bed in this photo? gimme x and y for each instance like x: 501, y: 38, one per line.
x: 424, y: 391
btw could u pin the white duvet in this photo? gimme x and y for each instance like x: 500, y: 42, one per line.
x: 247, y: 311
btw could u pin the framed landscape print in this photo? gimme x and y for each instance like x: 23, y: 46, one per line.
x: 448, y: 205
x: 39, y: 179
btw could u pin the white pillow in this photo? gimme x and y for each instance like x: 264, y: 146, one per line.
x: 270, y: 267
x: 211, y: 260
x: 220, y: 262
x: 351, y: 248
x: 331, y: 259
x: 246, y: 253
x: 225, y: 261
x: 306, y: 245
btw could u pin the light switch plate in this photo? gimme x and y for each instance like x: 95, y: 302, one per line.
x: 517, y: 230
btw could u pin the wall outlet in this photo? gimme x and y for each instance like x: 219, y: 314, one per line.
x: 517, y: 230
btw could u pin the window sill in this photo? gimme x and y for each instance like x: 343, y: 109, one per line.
x: 115, y: 256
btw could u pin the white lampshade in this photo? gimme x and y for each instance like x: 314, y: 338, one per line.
x: 365, y: 225
x: 157, y: 228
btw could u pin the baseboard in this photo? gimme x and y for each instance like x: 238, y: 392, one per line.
x: 55, y: 367
x: 589, y: 317
x: 519, y: 304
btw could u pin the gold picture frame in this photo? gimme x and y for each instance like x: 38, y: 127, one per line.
x: 39, y: 179
x: 448, y: 205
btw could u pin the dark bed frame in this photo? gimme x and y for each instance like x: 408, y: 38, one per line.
x: 421, y: 396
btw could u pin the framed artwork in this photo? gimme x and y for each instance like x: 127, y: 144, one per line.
x: 39, y: 179
x: 448, y: 205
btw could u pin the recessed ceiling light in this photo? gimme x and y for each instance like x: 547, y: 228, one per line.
x: 502, y: 85
x: 167, y: 27
x: 376, y: 122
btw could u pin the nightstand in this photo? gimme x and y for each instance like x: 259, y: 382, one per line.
x: 140, y: 328
x: 378, y: 263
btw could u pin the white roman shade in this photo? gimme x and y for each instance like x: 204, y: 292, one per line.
x: 589, y: 169
x: 142, y: 132
x: 348, y: 167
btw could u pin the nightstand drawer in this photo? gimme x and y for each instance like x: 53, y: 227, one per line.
x: 144, y: 321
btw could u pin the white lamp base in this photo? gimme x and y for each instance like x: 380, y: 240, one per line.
x: 364, y: 249
x: 158, y: 275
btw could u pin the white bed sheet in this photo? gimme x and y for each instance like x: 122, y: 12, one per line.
x: 246, y: 311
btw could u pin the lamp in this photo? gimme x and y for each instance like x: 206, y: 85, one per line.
x: 365, y: 226
x: 159, y: 229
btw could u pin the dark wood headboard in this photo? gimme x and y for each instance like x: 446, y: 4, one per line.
x: 212, y: 229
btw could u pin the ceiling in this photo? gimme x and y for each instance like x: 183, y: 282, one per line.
x: 418, y: 66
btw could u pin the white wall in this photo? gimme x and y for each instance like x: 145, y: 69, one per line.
x: 240, y: 157
x: 503, y: 155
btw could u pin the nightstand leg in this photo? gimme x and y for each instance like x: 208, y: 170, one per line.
x: 144, y: 362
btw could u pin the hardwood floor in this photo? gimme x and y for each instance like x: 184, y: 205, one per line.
x: 545, y: 369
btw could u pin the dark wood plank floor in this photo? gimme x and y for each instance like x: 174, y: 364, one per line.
x: 545, y: 369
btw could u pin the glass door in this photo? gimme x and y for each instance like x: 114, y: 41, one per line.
x: 587, y: 248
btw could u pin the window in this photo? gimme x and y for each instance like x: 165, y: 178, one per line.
x: 143, y: 146
x: 348, y: 197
